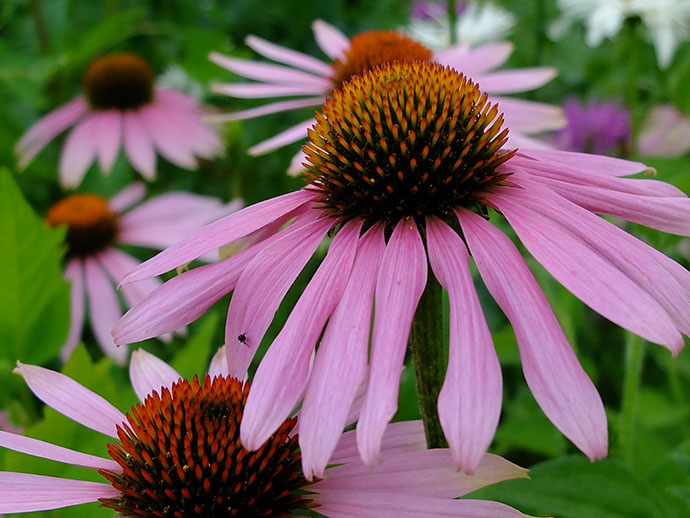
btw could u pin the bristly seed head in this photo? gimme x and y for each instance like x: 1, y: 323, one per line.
x: 91, y: 225
x: 371, y: 49
x: 181, y: 457
x: 122, y: 81
x: 404, y: 140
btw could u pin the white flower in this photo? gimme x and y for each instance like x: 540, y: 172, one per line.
x: 668, y: 25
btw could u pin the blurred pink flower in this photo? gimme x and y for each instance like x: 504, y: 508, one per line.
x: 94, y: 265
x: 121, y: 106
x: 405, y: 163
x: 203, y: 477
x: 305, y: 75
x: 665, y: 132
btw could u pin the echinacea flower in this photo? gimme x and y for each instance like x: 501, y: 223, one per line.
x: 177, y: 453
x: 121, y: 106
x: 602, y: 128
x: 305, y: 75
x: 664, y: 132
x: 405, y: 165
x: 94, y: 265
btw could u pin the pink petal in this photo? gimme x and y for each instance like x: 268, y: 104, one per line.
x: 297, y: 164
x: 104, y: 309
x: 175, y: 98
x: 281, y: 378
x: 262, y: 91
x: 587, y: 162
x: 664, y: 132
x: 528, y: 116
x: 118, y: 264
x: 399, y: 437
x: 290, y: 135
x: 127, y: 197
x: 79, y: 152
x: 138, y: 145
x: 46, y: 450
x: 475, y: 61
x: 288, y: 56
x: 553, y: 373
x: 169, y: 139
x: 71, y: 399
x: 74, y: 273
x: 518, y: 80
x: 400, y: 284
x: 220, y: 233
x: 47, y: 128
x: 266, y: 109
x: 333, y: 42
x: 108, y: 136
x: 24, y: 492
x: 469, y: 404
x: 341, y: 362
x: 219, y: 364
x: 148, y: 373
x: 263, y: 285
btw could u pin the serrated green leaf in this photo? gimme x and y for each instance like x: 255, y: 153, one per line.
x: 34, y: 298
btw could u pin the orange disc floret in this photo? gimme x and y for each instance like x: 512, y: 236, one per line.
x: 122, y: 81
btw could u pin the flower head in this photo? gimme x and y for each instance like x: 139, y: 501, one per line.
x: 122, y: 106
x: 178, y: 454
x: 95, y: 226
x: 307, y: 76
x: 405, y: 166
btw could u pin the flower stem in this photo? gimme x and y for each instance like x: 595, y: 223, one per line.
x: 452, y: 20
x: 428, y: 356
x: 634, y: 358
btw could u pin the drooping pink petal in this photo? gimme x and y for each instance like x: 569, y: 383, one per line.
x: 281, y: 378
x: 138, y: 145
x: 220, y: 233
x: 169, y: 139
x: 341, y: 362
x: 469, y: 403
x: 472, y: 62
x: 71, y: 399
x: 46, y: 450
x: 664, y: 132
x: 333, y: 42
x: 79, y: 152
x: 267, y: 109
x: 179, y: 99
x: 148, y: 373
x: 399, y: 437
x: 219, y: 364
x: 47, y: 128
x: 559, y: 384
x: 288, y: 56
x: 108, y: 137
x: 127, y: 197
x: 24, y: 492
x: 118, y: 264
x: 104, y: 309
x: 399, y: 286
x: 529, y: 116
x: 296, y: 164
x: 263, y: 285
x: 261, y: 91
x: 75, y: 274
x: 290, y: 135
x: 588, y: 162
x: 518, y: 80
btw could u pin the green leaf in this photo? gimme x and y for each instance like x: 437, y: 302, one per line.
x: 34, y: 298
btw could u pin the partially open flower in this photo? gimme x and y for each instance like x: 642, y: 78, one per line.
x: 122, y: 106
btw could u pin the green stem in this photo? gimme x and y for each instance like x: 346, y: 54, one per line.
x: 452, y: 20
x: 428, y: 355
x: 40, y: 26
x: 634, y: 359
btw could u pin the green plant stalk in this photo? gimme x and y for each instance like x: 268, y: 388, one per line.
x: 452, y: 20
x: 428, y: 356
x: 634, y: 359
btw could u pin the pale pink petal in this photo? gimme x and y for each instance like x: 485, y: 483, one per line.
x: 399, y: 437
x: 266, y: 109
x: 138, y: 145
x: 469, y: 403
x: 333, y: 42
x: 108, y: 137
x: 127, y: 197
x: 399, y: 286
x: 75, y: 274
x: 261, y: 91
x: 220, y: 233
x: 169, y: 139
x: 290, y: 135
x: 179, y: 99
x: 79, y: 152
x: 104, y: 309
x: 24, y: 492
x: 518, y: 80
x: 664, y: 132
x: 46, y: 450
x: 588, y: 162
x: 148, y: 373
x: 71, y: 399
x: 559, y: 384
x: 297, y: 164
x: 475, y: 61
x: 529, y: 116
x: 281, y: 378
x: 288, y: 56
x: 118, y: 264
x: 263, y: 285
x: 519, y: 141
x: 47, y: 128
x: 219, y: 364
x: 341, y: 362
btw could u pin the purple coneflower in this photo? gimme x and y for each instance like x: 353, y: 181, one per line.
x: 178, y: 454
x: 405, y: 165
x: 121, y: 105
x: 306, y: 75
x: 94, y: 265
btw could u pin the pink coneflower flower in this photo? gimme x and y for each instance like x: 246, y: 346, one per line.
x: 406, y: 164
x: 177, y: 453
x: 664, y: 132
x: 121, y: 105
x: 94, y: 265
x: 308, y: 76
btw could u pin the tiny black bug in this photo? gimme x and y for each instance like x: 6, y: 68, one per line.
x: 243, y: 339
